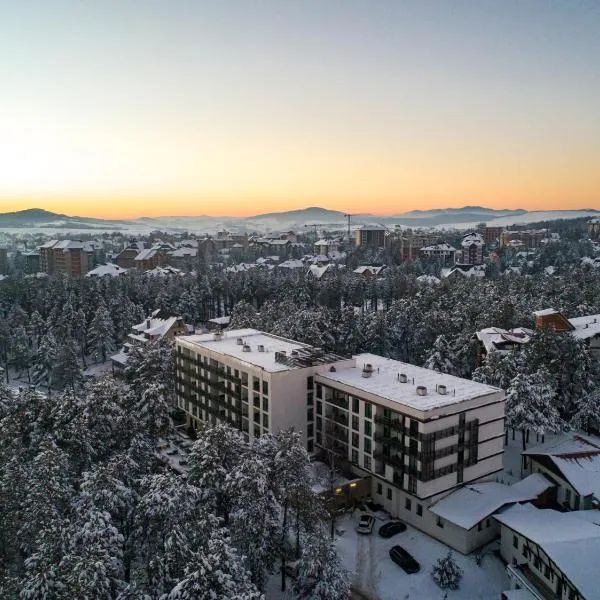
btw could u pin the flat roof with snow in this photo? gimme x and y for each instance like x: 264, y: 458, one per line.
x: 384, y: 382
x: 271, y: 360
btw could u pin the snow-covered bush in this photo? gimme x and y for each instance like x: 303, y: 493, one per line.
x: 446, y: 572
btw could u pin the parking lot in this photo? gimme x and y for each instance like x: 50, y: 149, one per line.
x: 374, y: 573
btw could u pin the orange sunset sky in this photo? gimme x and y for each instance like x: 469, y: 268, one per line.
x: 148, y: 108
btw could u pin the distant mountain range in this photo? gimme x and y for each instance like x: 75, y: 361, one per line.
x: 37, y: 218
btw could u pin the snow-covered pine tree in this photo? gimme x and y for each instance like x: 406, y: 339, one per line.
x: 530, y: 404
x: 68, y: 372
x: 101, y: 333
x: 153, y: 412
x: 587, y: 416
x: 321, y: 575
x: 44, y: 362
x: 442, y: 358
x: 21, y: 352
x: 447, y: 573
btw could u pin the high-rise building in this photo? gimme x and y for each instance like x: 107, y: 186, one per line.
x: 371, y: 235
x: 471, y: 250
x: 65, y: 256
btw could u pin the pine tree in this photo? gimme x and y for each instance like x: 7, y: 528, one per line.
x: 587, y: 416
x: 68, y: 372
x: 101, y: 334
x: 442, y: 359
x: 321, y: 574
x: 153, y: 412
x: 45, y: 361
x: 22, y: 353
x: 530, y: 404
x: 447, y: 573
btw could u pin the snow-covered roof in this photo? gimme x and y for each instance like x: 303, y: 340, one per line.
x: 291, y: 264
x: 163, y: 271
x: 227, y: 345
x: 108, y: 269
x: 120, y: 357
x: 472, y: 239
x: 146, y: 254
x: 220, y: 320
x: 503, y: 340
x: 472, y: 504
x: 49, y: 244
x: 577, y: 457
x: 66, y: 245
x: 384, y: 382
x: 368, y: 269
x: 571, y: 540
x: 468, y: 271
x: 183, y: 252
x: 545, y: 312
x: 317, y: 271
x: 443, y: 247
x: 372, y: 228
x: 155, y: 327
x: 586, y: 327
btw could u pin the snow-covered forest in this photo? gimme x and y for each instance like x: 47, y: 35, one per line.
x: 87, y: 509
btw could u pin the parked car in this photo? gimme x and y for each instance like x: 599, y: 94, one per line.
x: 365, y: 525
x: 387, y: 530
x: 403, y: 559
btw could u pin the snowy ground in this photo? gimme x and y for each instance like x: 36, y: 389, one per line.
x: 97, y: 369
x: 367, y: 558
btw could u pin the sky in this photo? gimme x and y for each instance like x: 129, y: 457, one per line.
x: 174, y: 107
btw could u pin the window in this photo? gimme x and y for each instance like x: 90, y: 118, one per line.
x: 310, y: 415
x: 265, y: 421
x: 310, y: 398
x: 310, y: 430
x: 568, y: 496
x: 368, y: 410
x: 412, y: 486
x: 379, y: 489
x: 414, y: 428
x: 265, y: 387
x: 319, y: 407
x: 355, y: 439
x: 265, y: 404
x: 367, y: 445
x: 310, y: 446
x: 408, y: 504
x: 319, y: 424
x: 525, y: 551
x: 255, y: 384
x: 536, y: 563
x: 355, y: 422
x: 487, y: 523
x: 439, y: 522
x: 367, y: 463
x: 244, y: 378
x: 319, y: 438
x: 355, y: 456
x: 319, y: 390
x: 479, y: 526
x: 419, y: 510
x: 515, y: 542
x: 236, y: 373
x: 256, y: 400
x: 546, y: 571
x: 257, y: 416
x: 355, y: 404
x: 368, y: 428
x: 310, y: 382
x: 257, y: 431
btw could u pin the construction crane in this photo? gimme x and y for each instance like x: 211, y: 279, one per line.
x: 349, y: 216
x: 315, y: 225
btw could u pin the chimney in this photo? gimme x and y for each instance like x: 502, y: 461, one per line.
x: 261, y: 348
x: 421, y: 390
x: 402, y: 378
x: 246, y: 348
x: 442, y: 389
x: 240, y: 341
x: 367, y: 370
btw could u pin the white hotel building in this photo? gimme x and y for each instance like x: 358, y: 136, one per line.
x: 416, y: 433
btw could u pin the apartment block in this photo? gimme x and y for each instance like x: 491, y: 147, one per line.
x: 414, y: 434
x: 65, y: 256
x: 371, y: 235
x: 252, y: 380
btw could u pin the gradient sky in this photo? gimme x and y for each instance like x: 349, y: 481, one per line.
x: 121, y: 108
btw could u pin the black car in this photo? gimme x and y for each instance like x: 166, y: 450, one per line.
x: 387, y: 530
x: 403, y: 559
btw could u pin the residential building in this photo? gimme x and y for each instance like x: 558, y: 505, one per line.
x: 107, y: 270
x: 466, y: 271
x: 443, y: 251
x: 31, y: 261
x: 527, y: 238
x: 496, y: 339
x: 3, y: 261
x: 584, y: 328
x: 65, y: 256
x: 491, y: 235
x: 255, y: 381
x: 371, y: 235
x: 573, y: 465
x: 148, y: 332
x: 325, y: 246
x: 471, y: 250
x: 416, y: 433
x: 150, y: 258
x: 369, y: 271
x: 126, y: 257
x: 593, y: 227
x: 409, y: 244
x: 550, y: 554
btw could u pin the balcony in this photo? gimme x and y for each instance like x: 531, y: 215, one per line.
x: 393, y: 442
x: 339, y: 401
x: 394, y: 460
x: 338, y: 417
x: 389, y: 422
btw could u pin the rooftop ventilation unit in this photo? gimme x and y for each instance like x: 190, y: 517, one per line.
x: 294, y: 353
x: 367, y: 370
x: 402, y: 377
x: 261, y: 348
x: 240, y: 341
x: 421, y: 390
x: 246, y: 348
x: 217, y: 335
x: 332, y: 369
x: 442, y: 389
